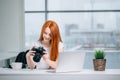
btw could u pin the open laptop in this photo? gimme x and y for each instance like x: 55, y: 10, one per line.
x: 70, y: 61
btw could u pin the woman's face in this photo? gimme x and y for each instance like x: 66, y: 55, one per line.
x: 47, y: 35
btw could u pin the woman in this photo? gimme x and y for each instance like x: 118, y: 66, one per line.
x: 51, y: 41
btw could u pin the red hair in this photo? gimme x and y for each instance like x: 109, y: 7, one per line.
x: 55, y: 38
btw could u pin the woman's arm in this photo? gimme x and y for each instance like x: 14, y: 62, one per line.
x: 29, y: 58
x: 52, y: 64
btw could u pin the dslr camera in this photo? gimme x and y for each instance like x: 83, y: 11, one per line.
x: 38, y: 53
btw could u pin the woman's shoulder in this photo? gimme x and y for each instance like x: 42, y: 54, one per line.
x: 61, y: 47
x: 61, y: 44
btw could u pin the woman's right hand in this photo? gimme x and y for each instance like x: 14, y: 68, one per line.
x: 29, y: 57
x: 30, y: 53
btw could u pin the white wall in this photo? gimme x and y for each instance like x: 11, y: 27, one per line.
x: 12, y: 25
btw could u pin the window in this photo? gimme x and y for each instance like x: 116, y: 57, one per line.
x: 84, y: 24
x: 33, y: 23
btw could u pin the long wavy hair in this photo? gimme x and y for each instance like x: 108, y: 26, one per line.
x: 55, y: 38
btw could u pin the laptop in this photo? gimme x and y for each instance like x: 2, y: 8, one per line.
x: 70, y: 61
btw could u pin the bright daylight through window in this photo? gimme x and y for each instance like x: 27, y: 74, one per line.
x: 84, y: 24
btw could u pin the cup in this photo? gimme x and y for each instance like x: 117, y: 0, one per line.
x: 16, y: 65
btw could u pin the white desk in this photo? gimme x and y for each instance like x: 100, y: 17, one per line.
x: 86, y: 74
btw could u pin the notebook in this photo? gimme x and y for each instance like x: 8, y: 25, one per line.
x: 70, y: 61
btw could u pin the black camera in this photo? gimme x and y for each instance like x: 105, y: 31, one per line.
x: 38, y: 53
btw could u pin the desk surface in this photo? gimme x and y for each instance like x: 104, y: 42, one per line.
x: 50, y: 71
x: 27, y: 74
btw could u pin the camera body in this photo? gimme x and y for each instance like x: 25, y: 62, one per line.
x: 38, y: 53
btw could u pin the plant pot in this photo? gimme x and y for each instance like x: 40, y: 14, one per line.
x: 99, y: 64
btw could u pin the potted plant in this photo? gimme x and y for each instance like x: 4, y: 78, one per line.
x: 99, y: 61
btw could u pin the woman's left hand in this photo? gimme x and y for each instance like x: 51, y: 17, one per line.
x: 45, y: 56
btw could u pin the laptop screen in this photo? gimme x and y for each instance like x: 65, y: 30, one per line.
x: 70, y: 61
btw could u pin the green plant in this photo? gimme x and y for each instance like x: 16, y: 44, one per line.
x: 99, y: 54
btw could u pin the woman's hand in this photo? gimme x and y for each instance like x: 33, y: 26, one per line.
x: 31, y: 53
x: 52, y: 64
x: 29, y: 58
x: 45, y: 56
